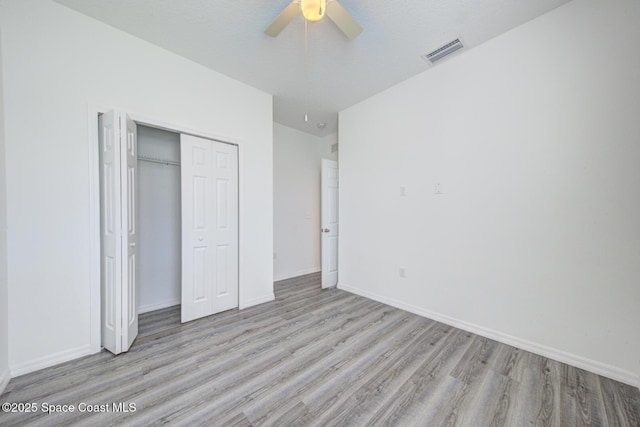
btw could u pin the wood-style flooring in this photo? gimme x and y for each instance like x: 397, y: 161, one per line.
x: 320, y: 357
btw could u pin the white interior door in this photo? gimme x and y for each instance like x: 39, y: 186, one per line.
x: 129, y: 192
x: 225, y: 173
x: 329, y: 222
x: 117, y: 136
x: 110, y: 256
x: 197, y: 230
x: 209, y: 181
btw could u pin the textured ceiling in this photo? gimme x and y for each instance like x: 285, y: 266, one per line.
x: 227, y: 36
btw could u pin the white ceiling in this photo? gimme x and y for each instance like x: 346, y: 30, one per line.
x: 227, y: 36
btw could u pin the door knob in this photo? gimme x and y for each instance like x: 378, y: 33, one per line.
x: 326, y: 230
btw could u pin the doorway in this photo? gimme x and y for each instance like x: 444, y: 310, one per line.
x: 168, y: 210
x: 329, y: 222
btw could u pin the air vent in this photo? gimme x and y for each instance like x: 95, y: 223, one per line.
x: 443, y: 51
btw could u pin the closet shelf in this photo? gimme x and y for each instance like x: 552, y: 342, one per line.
x: 156, y: 160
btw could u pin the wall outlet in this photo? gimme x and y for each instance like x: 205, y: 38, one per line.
x: 275, y: 256
x: 438, y: 188
x: 403, y: 191
x: 402, y: 272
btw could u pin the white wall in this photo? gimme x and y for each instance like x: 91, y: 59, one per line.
x: 4, y: 297
x: 296, y: 195
x: 534, y: 138
x: 328, y: 142
x: 160, y: 225
x: 57, y: 63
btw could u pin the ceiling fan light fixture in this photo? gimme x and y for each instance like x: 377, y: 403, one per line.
x: 313, y: 10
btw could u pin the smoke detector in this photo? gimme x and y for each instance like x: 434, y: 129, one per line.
x: 443, y: 51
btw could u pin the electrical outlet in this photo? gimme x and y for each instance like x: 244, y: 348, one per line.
x: 402, y: 272
x: 438, y: 188
x: 403, y: 191
x: 275, y: 256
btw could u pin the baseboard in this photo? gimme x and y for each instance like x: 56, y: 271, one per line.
x: 50, y: 360
x: 4, y: 379
x: 256, y: 301
x: 596, y: 367
x: 296, y: 274
x: 153, y: 307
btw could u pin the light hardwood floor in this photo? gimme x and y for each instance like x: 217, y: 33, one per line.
x: 321, y: 358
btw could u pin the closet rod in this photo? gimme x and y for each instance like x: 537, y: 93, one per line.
x: 162, y: 161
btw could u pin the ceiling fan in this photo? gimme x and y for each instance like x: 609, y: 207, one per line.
x: 314, y: 10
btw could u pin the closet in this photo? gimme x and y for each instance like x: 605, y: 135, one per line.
x: 168, y: 225
x: 159, y: 222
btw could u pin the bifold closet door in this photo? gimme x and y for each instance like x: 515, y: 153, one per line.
x: 118, y: 231
x: 209, y: 184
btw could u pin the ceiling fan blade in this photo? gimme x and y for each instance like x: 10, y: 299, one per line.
x: 283, y: 19
x: 343, y: 19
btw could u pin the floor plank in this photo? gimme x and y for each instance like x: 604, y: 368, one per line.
x: 320, y: 357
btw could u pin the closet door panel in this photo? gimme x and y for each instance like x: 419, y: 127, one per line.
x: 118, y: 231
x: 226, y: 233
x: 110, y: 248
x: 197, y: 227
x: 209, y: 174
x: 129, y: 183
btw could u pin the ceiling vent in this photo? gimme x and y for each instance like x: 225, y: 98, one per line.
x: 443, y: 51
